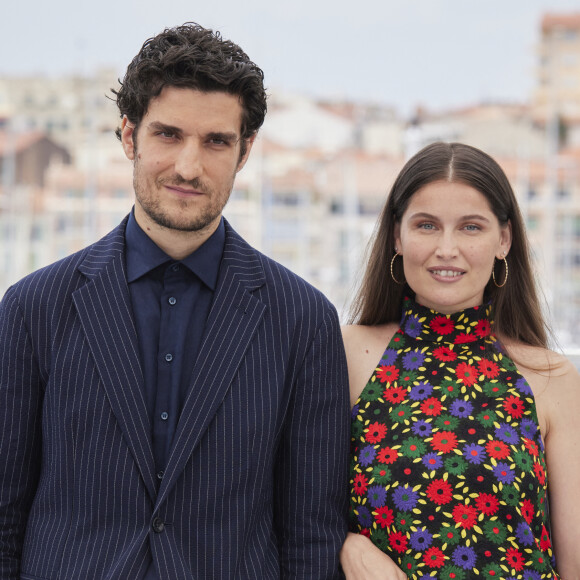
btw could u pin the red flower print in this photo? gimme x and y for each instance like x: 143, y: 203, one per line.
x: 395, y: 394
x: 527, y: 509
x: 398, y: 541
x: 376, y: 432
x: 514, y: 406
x: 444, y: 353
x: 384, y: 516
x: 466, y: 373
x: 387, y: 455
x: 440, y: 492
x: 487, y: 504
x: 488, y: 368
x: 515, y: 559
x: 360, y: 483
x: 540, y: 473
x: 497, y: 449
x: 483, y: 328
x: 464, y: 338
x: 465, y: 515
x: 431, y: 407
x: 444, y: 441
x: 545, y: 543
x: 387, y: 374
x: 434, y: 557
x: 531, y: 446
x: 442, y: 325
x: 365, y: 532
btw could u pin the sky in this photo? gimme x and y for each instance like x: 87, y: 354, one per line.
x: 434, y: 53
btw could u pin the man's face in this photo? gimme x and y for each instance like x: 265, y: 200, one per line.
x: 185, y: 153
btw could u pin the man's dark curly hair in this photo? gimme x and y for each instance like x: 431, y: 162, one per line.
x: 193, y: 57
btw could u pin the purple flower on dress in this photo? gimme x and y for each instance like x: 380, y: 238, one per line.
x: 354, y: 412
x: 540, y: 443
x: 432, y: 461
x: 464, y: 557
x: 377, y: 495
x: 524, y: 534
x: 405, y: 498
x: 422, y: 428
x: 421, y: 540
x: 364, y: 516
x: 389, y: 357
x: 367, y: 455
x: 506, y: 433
x: 523, y: 387
x: 504, y: 472
x: 413, y: 360
x: 421, y: 391
x: 528, y: 428
x: 474, y: 453
x: 460, y: 408
x: 413, y: 326
x: 531, y: 575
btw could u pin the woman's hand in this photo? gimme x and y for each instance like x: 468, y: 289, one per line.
x: 362, y: 560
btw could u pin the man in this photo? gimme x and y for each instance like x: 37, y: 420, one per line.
x: 173, y: 404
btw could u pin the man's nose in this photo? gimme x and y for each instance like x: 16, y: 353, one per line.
x: 188, y: 163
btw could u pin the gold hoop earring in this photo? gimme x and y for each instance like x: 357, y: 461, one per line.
x: 506, y: 274
x: 392, y: 274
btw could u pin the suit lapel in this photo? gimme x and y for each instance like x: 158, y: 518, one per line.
x: 233, y: 319
x: 104, y: 309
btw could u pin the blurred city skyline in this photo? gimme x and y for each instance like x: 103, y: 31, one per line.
x: 432, y: 53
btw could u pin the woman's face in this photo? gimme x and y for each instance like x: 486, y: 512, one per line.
x: 449, y: 237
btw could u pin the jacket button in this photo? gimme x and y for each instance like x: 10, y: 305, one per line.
x: 157, y: 525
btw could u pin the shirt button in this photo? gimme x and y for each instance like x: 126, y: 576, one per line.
x: 168, y: 357
x: 160, y: 474
x: 172, y: 300
x: 157, y: 525
x: 164, y: 415
x: 175, y: 267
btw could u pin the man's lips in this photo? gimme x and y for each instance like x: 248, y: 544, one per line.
x: 182, y: 190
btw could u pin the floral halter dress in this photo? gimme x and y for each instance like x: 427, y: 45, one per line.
x: 448, y: 474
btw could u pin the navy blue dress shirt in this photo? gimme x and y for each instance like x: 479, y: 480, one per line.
x: 171, y: 301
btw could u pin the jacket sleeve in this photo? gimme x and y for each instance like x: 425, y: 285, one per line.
x: 311, y: 493
x: 20, y: 433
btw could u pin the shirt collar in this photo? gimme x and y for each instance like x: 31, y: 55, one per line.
x: 144, y: 255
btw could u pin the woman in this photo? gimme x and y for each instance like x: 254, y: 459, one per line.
x: 466, y: 413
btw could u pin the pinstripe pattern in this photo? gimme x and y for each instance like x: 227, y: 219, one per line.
x: 256, y: 483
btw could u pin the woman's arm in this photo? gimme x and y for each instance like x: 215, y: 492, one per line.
x: 362, y: 560
x: 562, y: 441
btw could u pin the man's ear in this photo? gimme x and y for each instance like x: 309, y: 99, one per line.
x: 128, y: 138
x: 244, y: 158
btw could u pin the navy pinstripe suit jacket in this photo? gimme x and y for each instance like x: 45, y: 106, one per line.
x: 256, y: 483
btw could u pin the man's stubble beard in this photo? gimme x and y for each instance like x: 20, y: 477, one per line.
x: 152, y: 205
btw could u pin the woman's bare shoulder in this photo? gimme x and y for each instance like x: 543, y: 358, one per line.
x: 364, y: 346
x: 539, y: 360
x: 358, y: 336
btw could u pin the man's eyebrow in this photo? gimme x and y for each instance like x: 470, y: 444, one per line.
x: 158, y: 126
x: 228, y: 137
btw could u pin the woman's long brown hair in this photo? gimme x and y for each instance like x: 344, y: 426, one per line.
x: 517, y: 312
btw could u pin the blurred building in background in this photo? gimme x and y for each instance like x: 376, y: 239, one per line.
x: 317, y: 178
